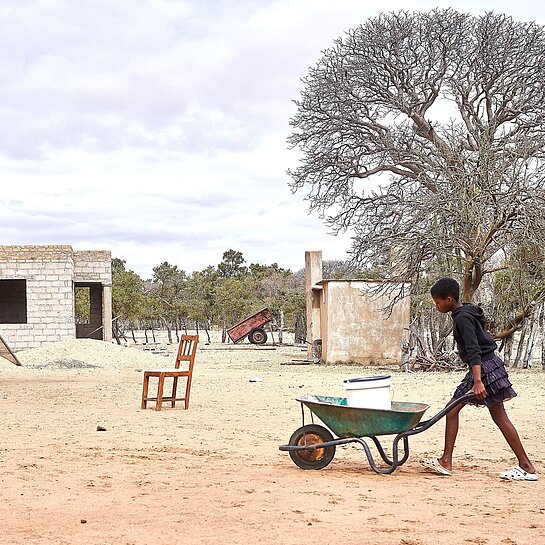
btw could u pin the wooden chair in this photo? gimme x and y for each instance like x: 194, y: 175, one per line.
x: 186, y: 352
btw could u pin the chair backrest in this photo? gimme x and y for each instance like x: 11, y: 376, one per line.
x: 187, y: 350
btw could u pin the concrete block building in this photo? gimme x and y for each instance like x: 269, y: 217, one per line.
x: 348, y: 318
x: 38, y: 286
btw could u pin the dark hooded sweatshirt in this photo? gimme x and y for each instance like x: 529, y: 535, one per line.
x: 475, y: 345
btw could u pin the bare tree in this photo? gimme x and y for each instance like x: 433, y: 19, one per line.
x: 337, y: 269
x: 518, y: 289
x: 424, y: 133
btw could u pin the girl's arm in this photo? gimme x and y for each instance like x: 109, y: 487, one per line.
x: 478, y: 387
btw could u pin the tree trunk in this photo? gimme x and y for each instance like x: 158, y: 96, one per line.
x: 419, y: 337
x: 300, y: 329
x: 521, y: 344
x: 542, y: 329
x: 272, y: 336
x: 281, y: 330
x: 115, y: 331
x: 508, y: 347
x: 433, y: 331
x: 473, y: 274
x: 168, y: 327
x: 527, y: 361
x: 426, y: 337
x: 405, y: 354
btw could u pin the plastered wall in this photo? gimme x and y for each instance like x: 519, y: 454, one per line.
x: 355, y: 330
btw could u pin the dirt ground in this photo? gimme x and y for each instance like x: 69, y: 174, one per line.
x: 214, y: 474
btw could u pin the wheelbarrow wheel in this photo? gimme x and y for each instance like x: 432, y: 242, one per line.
x: 257, y: 336
x: 311, y: 434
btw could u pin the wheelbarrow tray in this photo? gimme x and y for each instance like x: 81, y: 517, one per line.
x: 345, y: 421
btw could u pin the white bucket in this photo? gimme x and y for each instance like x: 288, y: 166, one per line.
x: 369, y: 392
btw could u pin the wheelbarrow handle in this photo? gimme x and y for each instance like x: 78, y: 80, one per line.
x: 422, y: 426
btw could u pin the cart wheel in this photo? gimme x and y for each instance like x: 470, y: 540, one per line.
x: 257, y: 336
x: 311, y: 434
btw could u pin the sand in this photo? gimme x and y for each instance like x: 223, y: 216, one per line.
x: 214, y: 474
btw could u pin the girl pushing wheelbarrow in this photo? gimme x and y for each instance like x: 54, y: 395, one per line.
x: 486, y: 384
x: 486, y: 378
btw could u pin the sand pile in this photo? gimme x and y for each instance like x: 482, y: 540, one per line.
x: 87, y: 353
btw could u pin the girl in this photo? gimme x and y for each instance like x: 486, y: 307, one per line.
x: 487, y: 379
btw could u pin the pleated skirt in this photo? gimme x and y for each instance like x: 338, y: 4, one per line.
x: 495, y: 379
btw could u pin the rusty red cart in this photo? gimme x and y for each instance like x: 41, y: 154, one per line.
x: 252, y: 327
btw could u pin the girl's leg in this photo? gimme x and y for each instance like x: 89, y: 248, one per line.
x: 498, y: 414
x: 451, y: 431
x: 497, y: 411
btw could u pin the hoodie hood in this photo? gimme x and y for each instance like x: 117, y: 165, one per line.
x: 471, y: 310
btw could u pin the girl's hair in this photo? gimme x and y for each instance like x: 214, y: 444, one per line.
x: 445, y: 287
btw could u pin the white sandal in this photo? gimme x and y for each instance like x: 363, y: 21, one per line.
x: 518, y: 474
x: 433, y: 465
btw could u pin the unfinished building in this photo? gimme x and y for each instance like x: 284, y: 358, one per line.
x: 38, y: 290
x: 347, y: 317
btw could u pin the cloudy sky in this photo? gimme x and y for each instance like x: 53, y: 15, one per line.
x: 157, y: 128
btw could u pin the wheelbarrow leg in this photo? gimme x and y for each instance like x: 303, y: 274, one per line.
x: 381, y: 451
x: 385, y: 457
x: 393, y: 464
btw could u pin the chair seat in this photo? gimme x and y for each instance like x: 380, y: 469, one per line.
x: 180, y: 372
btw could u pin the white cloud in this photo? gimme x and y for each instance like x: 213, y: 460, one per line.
x: 157, y: 128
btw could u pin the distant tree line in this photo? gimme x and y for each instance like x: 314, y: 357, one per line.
x: 218, y: 296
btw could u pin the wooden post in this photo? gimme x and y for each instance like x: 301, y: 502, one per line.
x: 7, y: 353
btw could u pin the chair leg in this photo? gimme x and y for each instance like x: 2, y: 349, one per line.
x: 187, y: 390
x: 174, y: 388
x: 160, y: 386
x: 145, y: 391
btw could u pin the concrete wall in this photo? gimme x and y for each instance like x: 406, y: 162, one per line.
x: 96, y: 267
x: 313, y: 275
x: 353, y: 328
x: 93, y: 267
x: 50, y: 272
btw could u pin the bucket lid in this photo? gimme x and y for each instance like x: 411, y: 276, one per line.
x: 366, y: 379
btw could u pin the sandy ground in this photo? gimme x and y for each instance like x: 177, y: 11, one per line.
x: 214, y: 474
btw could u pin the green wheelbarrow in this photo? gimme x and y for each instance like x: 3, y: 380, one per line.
x: 313, y: 446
